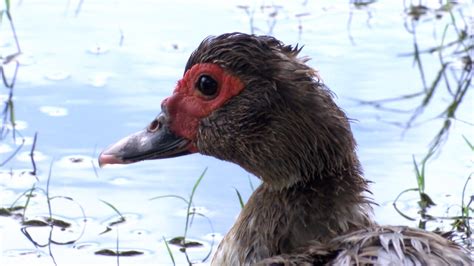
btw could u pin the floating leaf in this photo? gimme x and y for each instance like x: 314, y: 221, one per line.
x: 127, y: 253
x: 179, y: 241
x: 37, y: 223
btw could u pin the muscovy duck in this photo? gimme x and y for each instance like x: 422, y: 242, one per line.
x: 253, y: 101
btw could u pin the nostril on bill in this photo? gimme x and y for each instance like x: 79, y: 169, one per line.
x: 154, y: 126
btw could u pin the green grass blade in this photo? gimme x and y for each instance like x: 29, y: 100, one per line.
x: 419, y: 176
x: 198, y: 181
x: 251, y: 183
x: 170, y: 196
x: 28, y: 191
x: 169, y: 251
x: 396, y: 200
x: 113, y: 208
x: 240, y: 198
x: 28, y: 201
x: 468, y: 143
x: 11, y: 107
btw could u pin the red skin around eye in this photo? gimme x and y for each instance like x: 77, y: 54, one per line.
x: 187, y: 106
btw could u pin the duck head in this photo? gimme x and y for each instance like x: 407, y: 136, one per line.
x: 252, y: 101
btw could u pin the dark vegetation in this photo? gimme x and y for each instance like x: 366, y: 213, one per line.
x: 454, y: 77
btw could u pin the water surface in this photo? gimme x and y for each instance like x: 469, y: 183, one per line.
x: 89, y: 79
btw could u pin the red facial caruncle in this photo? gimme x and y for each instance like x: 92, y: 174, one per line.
x: 189, y: 103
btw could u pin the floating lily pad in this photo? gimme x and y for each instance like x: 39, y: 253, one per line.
x: 9, y: 211
x: 5, y: 212
x: 126, y: 253
x: 179, y: 241
x: 47, y: 222
x: 59, y: 223
x: 35, y: 222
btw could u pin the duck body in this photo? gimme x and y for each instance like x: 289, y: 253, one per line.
x: 252, y: 101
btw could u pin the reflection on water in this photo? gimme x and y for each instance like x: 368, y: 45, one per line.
x: 87, y: 77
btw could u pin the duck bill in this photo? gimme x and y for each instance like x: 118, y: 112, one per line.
x: 154, y: 142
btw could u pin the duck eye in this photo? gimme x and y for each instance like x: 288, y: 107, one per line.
x: 207, y: 85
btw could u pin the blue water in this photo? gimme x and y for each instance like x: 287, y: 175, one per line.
x: 87, y: 80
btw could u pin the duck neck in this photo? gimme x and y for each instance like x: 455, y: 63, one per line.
x: 278, y: 221
x: 322, y: 207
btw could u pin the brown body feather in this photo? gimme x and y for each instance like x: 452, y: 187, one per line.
x: 381, y: 245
